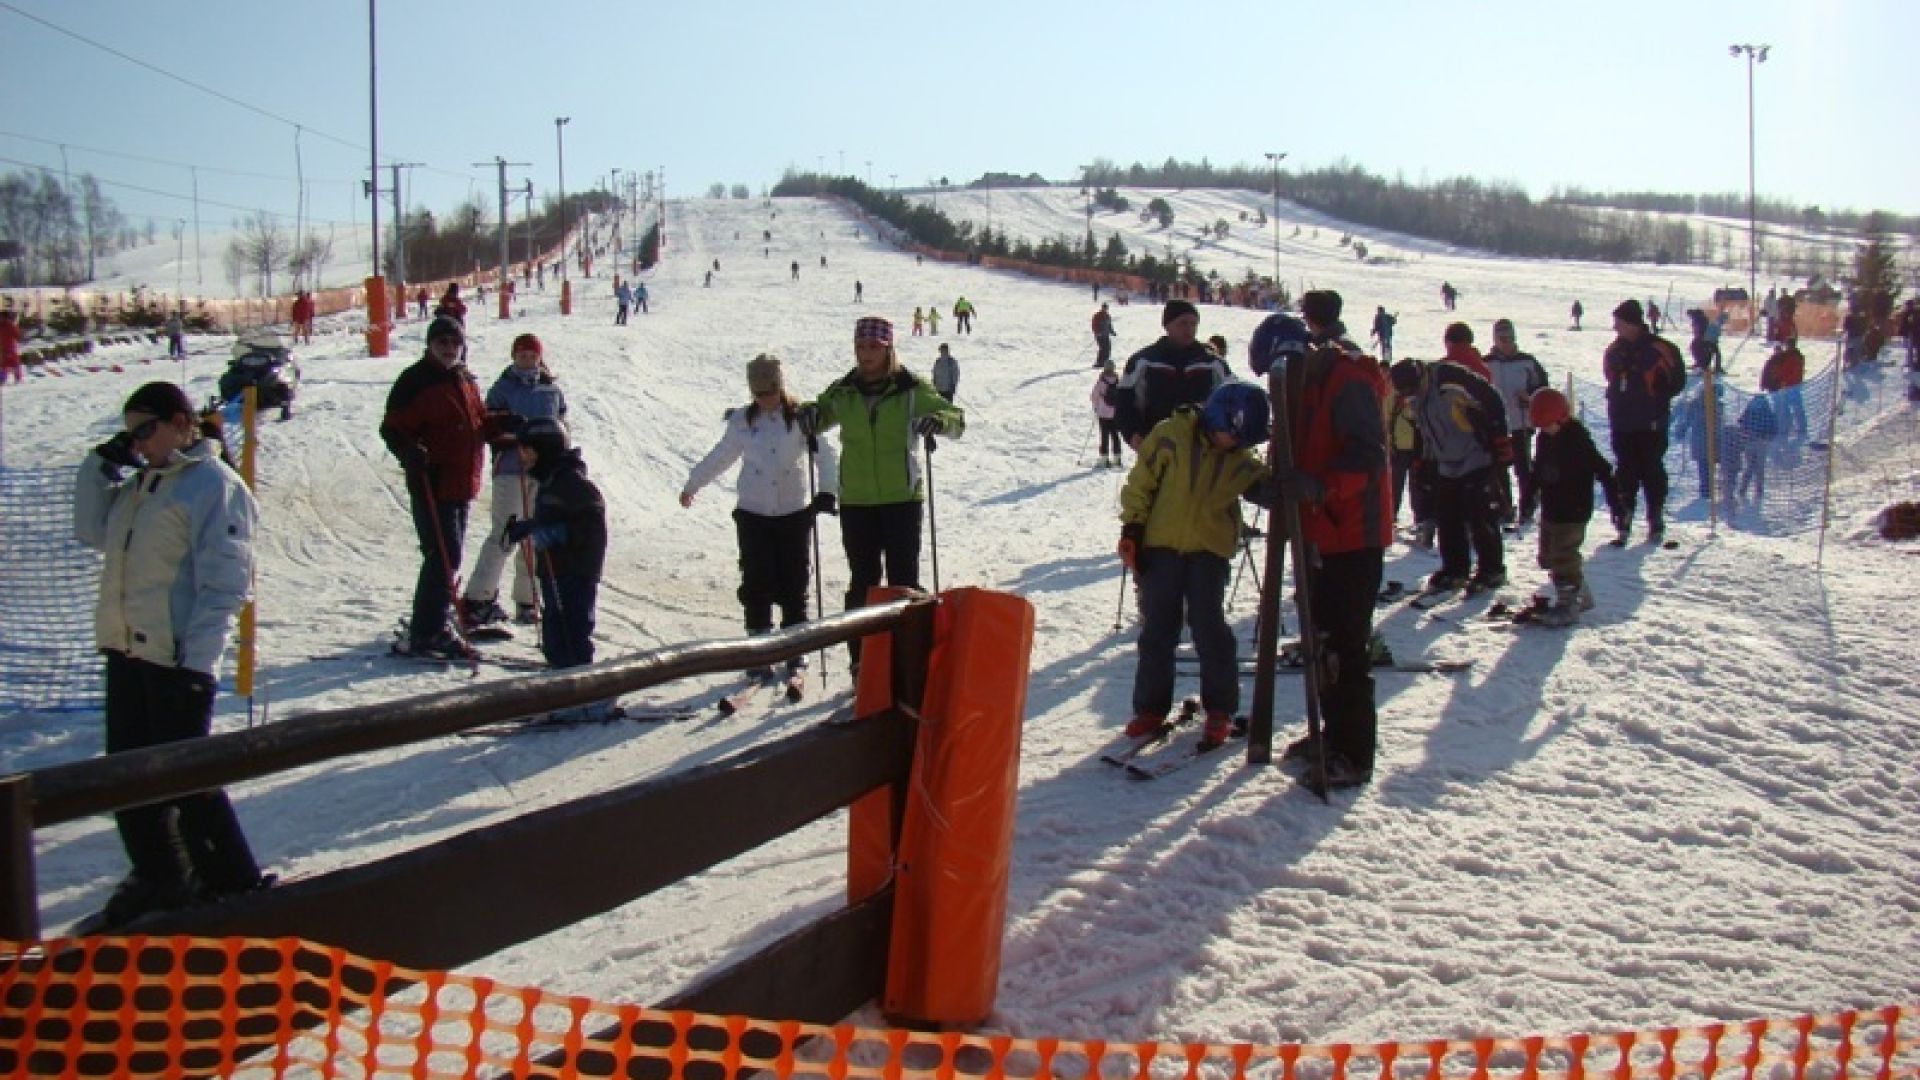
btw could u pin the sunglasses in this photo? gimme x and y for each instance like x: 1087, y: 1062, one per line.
x: 144, y: 430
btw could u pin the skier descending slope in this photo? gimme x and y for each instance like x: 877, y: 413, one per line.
x: 1180, y: 529
x: 1342, y: 484
x: 774, y: 518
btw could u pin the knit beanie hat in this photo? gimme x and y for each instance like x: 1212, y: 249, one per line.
x: 1321, y: 306
x: 161, y: 399
x: 1630, y: 312
x: 764, y: 375
x: 873, y: 329
x: 1177, y: 309
x: 527, y: 341
x: 444, y: 326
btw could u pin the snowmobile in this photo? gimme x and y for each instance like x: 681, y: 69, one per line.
x: 263, y: 361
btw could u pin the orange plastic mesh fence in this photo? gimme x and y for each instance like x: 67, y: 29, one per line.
x: 139, y: 1006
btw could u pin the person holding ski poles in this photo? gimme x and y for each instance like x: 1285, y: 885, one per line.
x: 1179, y: 532
x: 526, y: 389
x: 437, y: 428
x: 1343, y: 484
x: 773, y: 517
x: 881, y: 409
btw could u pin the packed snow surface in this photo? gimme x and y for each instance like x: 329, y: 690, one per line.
x: 1700, y: 804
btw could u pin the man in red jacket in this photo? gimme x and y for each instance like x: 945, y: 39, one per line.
x: 438, y: 428
x: 1341, y: 478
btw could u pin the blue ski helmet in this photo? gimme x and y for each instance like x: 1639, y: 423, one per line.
x: 1279, y: 333
x: 1239, y: 409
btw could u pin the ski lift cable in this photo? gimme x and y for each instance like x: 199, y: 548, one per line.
x: 184, y: 81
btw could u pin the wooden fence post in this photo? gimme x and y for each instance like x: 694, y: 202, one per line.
x: 19, y: 900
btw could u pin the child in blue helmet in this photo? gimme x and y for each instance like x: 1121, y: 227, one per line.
x: 1180, y: 528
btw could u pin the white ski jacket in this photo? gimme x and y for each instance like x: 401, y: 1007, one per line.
x: 773, y: 469
x: 178, y: 540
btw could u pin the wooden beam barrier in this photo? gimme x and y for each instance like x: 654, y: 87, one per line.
x: 157, y: 773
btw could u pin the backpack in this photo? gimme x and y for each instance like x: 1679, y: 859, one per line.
x: 1106, y: 391
x: 1676, y: 373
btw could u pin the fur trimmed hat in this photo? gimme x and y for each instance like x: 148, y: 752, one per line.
x: 764, y: 375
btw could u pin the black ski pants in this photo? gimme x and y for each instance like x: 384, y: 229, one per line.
x: 876, y: 539
x: 1465, y: 515
x: 439, y: 527
x: 773, y: 567
x: 1343, y: 588
x: 1639, y: 462
x: 1519, y: 474
x: 567, y: 619
x: 148, y: 705
x: 1187, y: 587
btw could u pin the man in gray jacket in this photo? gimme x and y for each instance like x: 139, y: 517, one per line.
x: 1516, y: 375
x: 178, y: 539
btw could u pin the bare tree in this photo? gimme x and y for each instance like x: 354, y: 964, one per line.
x: 309, y: 259
x: 261, y: 247
x: 101, y: 220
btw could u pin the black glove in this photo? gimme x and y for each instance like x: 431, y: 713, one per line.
x: 413, y: 458
x: 508, y: 423
x: 824, y: 503
x: 928, y: 425
x: 1299, y: 487
x: 808, y: 417
x: 119, y: 451
x: 516, y: 530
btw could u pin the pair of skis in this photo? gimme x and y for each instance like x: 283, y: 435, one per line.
x: 1267, y: 645
x: 793, y: 686
x: 1127, y: 752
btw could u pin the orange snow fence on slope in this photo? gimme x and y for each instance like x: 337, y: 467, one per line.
x: 153, y: 1007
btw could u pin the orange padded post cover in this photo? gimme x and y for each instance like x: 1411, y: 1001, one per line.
x: 378, y: 319
x: 870, y: 836
x: 956, y: 843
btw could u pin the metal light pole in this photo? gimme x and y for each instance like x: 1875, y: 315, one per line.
x: 376, y: 285
x: 1754, y: 54
x: 1275, y: 222
x: 560, y: 152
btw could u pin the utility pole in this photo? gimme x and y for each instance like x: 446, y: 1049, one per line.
x: 1275, y: 223
x: 1754, y: 54
x: 377, y: 314
x: 526, y: 268
x: 198, y: 279
x: 400, y: 223
x: 501, y: 165
x: 560, y: 149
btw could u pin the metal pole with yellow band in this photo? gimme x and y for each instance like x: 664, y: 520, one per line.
x: 243, y: 667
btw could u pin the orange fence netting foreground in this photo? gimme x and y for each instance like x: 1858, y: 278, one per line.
x: 138, y: 1006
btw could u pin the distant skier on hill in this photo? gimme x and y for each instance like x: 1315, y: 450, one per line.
x: 10, y: 347
x: 1103, y: 337
x: 1577, y: 311
x: 946, y: 374
x: 1383, y: 324
x: 963, y: 316
x: 1449, y: 296
x: 451, y: 306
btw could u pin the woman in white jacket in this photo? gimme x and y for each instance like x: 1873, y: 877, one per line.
x: 178, y: 539
x: 773, y: 517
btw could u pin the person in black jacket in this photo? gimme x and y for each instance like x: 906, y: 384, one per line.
x: 1644, y: 373
x: 1176, y: 370
x: 569, y: 534
x: 1566, y: 465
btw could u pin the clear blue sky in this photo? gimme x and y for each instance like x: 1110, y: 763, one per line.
x: 1621, y: 95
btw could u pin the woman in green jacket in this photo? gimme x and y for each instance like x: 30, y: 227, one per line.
x: 882, y: 411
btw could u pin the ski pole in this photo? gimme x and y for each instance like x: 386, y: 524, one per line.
x: 1120, y: 602
x: 447, y: 572
x: 526, y: 550
x: 1093, y: 424
x: 813, y: 528
x: 933, y: 519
